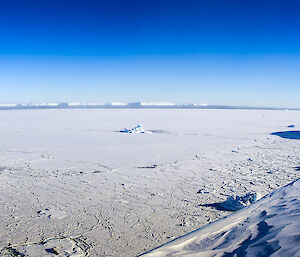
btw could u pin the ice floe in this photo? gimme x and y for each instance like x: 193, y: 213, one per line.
x: 52, y: 213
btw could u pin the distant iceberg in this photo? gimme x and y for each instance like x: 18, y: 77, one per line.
x: 136, y: 130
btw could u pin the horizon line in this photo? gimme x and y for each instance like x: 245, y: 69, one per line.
x: 132, y: 105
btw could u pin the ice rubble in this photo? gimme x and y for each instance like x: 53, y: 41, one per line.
x: 234, y: 203
x: 136, y: 130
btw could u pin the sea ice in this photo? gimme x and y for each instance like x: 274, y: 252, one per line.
x: 52, y: 213
x: 234, y: 203
x: 136, y: 130
x: 57, y: 177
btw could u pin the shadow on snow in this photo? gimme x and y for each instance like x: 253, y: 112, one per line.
x: 288, y: 134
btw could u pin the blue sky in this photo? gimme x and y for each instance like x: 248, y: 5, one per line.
x: 217, y: 52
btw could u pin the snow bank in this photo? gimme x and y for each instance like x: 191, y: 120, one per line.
x: 268, y: 227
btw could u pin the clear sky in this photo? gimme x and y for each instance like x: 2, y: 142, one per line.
x: 228, y: 52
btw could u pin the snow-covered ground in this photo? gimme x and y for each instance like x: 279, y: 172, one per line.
x: 269, y: 227
x: 71, y: 183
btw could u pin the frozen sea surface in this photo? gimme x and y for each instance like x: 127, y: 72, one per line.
x: 69, y: 178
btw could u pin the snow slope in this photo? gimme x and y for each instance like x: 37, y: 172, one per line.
x: 269, y: 227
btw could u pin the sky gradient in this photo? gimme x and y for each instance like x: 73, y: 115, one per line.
x: 216, y: 52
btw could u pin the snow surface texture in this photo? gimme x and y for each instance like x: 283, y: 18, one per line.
x: 136, y: 130
x: 269, y: 227
x: 68, y: 179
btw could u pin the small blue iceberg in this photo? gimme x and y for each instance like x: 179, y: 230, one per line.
x: 136, y: 130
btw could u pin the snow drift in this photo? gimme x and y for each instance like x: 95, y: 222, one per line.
x: 268, y: 227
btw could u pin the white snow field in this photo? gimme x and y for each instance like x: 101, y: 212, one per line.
x: 72, y: 185
x: 269, y: 227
